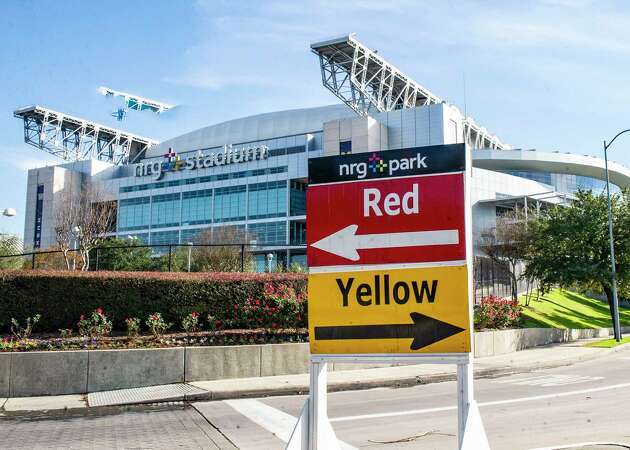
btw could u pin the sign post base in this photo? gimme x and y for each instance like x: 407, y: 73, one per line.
x: 313, y: 430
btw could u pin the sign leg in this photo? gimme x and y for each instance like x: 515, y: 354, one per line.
x: 470, y: 432
x: 313, y: 430
x: 322, y: 435
x: 464, y: 398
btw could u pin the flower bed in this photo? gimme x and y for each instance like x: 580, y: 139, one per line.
x: 204, y: 338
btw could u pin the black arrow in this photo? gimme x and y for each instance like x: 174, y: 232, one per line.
x: 424, y: 330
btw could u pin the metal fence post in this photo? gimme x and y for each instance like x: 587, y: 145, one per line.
x: 170, y: 253
x: 242, y: 257
x: 33, y: 261
x: 96, y: 264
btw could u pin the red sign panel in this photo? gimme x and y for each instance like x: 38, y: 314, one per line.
x: 387, y: 221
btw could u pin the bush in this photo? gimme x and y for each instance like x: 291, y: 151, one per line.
x: 62, y: 296
x: 277, y: 307
x: 497, y: 313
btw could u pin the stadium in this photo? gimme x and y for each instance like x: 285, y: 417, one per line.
x: 252, y: 172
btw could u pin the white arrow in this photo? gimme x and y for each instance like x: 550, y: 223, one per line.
x: 346, y: 241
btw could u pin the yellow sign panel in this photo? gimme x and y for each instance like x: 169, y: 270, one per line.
x: 421, y: 310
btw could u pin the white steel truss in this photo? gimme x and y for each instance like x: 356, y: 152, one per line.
x: 364, y: 81
x: 74, y: 139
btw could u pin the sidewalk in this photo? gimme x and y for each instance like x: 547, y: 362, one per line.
x: 364, y: 378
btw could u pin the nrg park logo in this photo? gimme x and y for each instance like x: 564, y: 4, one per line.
x: 377, y: 165
x: 173, y: 162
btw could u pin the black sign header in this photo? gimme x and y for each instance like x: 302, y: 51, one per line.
x: 387, y: 164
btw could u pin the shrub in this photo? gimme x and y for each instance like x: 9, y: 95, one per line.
x: 96, y: 326
x: 157, y: 325
x: 277, y: 307
x: 497, y: 313
x: 61, y: 296
x: 190, y: 323
x: 25, y: 331
x: 65, y: 333
x: 133, y: 326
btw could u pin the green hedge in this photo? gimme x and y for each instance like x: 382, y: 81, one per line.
x: 61, y: 297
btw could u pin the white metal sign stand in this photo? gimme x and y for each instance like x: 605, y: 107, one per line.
x: 313, y: 430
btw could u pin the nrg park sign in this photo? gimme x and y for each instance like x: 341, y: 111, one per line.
x: 173, y: 162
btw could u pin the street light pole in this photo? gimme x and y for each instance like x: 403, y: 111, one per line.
x: 615, y: 299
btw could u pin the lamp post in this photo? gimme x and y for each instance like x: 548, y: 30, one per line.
x: 190, y: 246
x: 615, y: 305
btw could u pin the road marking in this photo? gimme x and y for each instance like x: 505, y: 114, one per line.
x: 495, y: 403
x: 547, y: 380
x: 271, y: 419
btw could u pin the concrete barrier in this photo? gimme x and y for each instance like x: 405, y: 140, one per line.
x: 215, y: 363
x: 285, y: 359
x: 76, y: 372
x: 5, y: 374
x: 48, y: 373
x: 120, y: 369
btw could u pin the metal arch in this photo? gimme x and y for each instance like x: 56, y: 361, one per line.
x: 74, y: 139
x: 364, y: 81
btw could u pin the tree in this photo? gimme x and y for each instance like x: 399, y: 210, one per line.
x: 571, y: 245
x: 82, y: 221
x: 507, y: 243
x: 226, y: 257
x: 124, y: 254
x: 10, y: 245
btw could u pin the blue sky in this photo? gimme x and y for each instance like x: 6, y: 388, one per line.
x: 545, y: 74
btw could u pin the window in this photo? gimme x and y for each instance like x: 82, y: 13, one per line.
x: 298, y: 233
x: 165, y: 210
x: 229, y: 203
x: 204, y: 179
x: 134, y: 213
x: 268, y: 233
x: 197, y: 207
x: 267, y: 200
x: 39, y: 208
x: 345, y: 147
x: 298, y: 198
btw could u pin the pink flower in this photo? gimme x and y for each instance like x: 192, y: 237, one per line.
x: 99, y: 311
x: 194, y: 314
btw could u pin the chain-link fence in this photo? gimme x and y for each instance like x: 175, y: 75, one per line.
x: 165, y: 258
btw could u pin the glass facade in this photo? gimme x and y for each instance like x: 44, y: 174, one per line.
x: 164, y: 237
x: 267, y: 200
x: 268, y: 233
x: 165, y: 210
x: 298, y: 198
x: 39, y: 209
x: 197, y: 207
x: 564, y: 182
x: 134, y: 213
x: 205, y: 179
x: 229, y: 204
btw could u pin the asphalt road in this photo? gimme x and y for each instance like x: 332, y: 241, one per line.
x: 585, y: 402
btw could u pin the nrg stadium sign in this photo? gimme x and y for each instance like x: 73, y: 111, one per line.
x: 174, y: 163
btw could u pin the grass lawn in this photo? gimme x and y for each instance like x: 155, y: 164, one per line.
x: 564, y: 309
x: 609, y: 343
